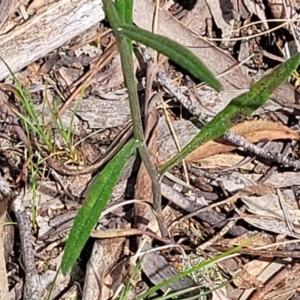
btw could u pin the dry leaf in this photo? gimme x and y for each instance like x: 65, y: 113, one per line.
x: 255, y: 267
x: 244, y: 280
x: 260, y: 240
x: 268, y: 206
x: 258, y: 8
x: 105, y: 255
x: 196, y: 18
x: 143, y: 189
x: 225, y: 160
x: 268, y: 215
x: 253, y: 131
x: 215, y: 9
x: 247, y: 278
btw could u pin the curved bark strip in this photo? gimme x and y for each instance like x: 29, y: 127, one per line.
x: 42, y: 33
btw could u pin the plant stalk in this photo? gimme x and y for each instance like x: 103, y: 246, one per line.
x: 129, y: 78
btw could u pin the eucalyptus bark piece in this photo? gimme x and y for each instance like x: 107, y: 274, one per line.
x: 105, y: 255
x: 158, y: 270
x: 6, y: 239
x: 35, y: 284
x: 5, y: 10
x: 45, y: 32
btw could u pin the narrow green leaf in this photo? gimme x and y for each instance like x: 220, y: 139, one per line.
x: 121, y: 7
x: 124, y: 9
x: 128, y: 12
x: 115, y: 18
x: 238, y: 109
x: 176, y: 52
x: 96, y: 199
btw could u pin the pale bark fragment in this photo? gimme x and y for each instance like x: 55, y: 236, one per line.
x: 45, y: 32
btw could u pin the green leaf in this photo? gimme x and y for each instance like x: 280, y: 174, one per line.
x: 96, y: 199
x: 176, y: 52
x: 238, y: 109
x: 124, y: 9
x: 115, y: 18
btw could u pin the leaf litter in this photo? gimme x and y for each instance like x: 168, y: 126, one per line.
x: 103, y: 112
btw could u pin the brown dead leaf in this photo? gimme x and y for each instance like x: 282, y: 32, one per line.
x: 255, y: 267
x: 114, y: 279
x: 259, y: 240
x: 225, y: 160
x: 104, y: 257
x: 216, y: 11
x: 267, y: 214
x: 143, y: 189
x: 257, y: 8
x: 111, y: 233
x: 247, y: 277
x: 195, y: 18
x: 244, y: 280
x: 253, y: 131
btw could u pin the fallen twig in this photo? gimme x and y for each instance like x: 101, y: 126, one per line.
x: 278, y: 157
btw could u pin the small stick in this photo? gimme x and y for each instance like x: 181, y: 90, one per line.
x: 278, y: 157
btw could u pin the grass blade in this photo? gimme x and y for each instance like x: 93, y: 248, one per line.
x: 165, y: 283
x: 238, y: 109
x: 176, y: 52
x: 96, y: 199
x: 26, y: 101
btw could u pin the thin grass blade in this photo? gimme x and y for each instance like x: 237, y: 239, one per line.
x: 96, y: 199
x: 238, y: 109
x: 200, y: 266
x: 26, y: 100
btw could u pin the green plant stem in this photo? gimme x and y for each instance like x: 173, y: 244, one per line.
x: 129, y: 78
